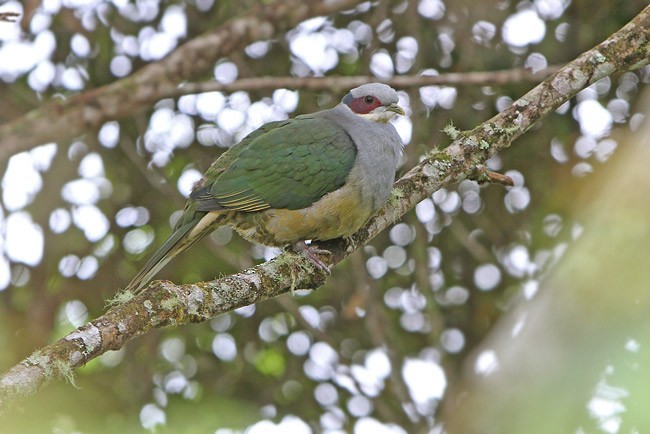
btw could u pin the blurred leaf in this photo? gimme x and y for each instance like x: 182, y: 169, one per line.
x: 270, y: 362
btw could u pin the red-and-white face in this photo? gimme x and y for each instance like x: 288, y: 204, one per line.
x: 363, y: 104
x: 373, y: 102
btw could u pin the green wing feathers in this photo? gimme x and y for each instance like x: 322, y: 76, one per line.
x: 289, y: 164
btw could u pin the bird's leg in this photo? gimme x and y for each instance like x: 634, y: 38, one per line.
x: 350, y: 244
x: 311, y: 252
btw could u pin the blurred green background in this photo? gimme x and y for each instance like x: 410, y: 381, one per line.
x: 486, y: 309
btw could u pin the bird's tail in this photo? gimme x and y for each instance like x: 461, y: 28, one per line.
x: 184, y: 236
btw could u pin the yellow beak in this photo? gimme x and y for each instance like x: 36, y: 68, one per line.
x: 396, y: 108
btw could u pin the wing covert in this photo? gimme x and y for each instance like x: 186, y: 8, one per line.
x: 289, y: 166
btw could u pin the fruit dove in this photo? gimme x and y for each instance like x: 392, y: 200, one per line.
x: 315, y: 177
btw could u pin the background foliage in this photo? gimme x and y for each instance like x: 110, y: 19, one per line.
x: 398, y: 334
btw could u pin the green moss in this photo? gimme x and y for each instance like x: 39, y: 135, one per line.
x: 170, y: 304
x: 451, y: 130
x: 510, y: 130
x: 120, y: 298
x: 64, y: 370
x: 598, y: 57
x: 395, y: 195
x: 438, y: 155
x: 442, y: 167
x: 482, y: 178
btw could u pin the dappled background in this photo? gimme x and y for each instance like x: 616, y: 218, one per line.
x: 405, y: 327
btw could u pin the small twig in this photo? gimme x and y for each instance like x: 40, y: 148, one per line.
x: 9, y: 17
x: 483, y: 175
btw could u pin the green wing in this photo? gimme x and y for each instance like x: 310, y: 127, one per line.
x: 289, y: 164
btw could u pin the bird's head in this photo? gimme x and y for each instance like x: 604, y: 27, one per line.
x: 375, y: 102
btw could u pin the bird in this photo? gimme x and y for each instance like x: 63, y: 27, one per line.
x: 315, y: 177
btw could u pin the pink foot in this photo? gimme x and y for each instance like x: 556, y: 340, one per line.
x: 311, y: 252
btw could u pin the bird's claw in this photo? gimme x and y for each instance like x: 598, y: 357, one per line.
x: 350, y: 244
x: 311, y: 253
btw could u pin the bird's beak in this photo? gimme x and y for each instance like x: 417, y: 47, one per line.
x: 396, y: 109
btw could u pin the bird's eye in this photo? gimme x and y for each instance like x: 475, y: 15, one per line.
x: 368, y: 99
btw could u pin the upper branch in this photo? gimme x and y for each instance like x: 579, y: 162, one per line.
x: 63, y: 119
x: 165, y: 303
x: 336, y: 83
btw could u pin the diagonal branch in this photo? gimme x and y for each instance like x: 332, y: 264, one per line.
x: 165, y: 303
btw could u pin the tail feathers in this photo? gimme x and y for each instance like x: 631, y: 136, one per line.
x: 183, y: 237
x: 160, y: 258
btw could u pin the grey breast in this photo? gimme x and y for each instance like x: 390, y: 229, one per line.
x: 379, y: 148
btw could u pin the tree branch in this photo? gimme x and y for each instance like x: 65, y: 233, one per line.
x: 337, y: 83
x: 64, y: 119
x: 9, y: 17
x: 164, y: 303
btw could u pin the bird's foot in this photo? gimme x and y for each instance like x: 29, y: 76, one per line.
x: 311, y: 253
